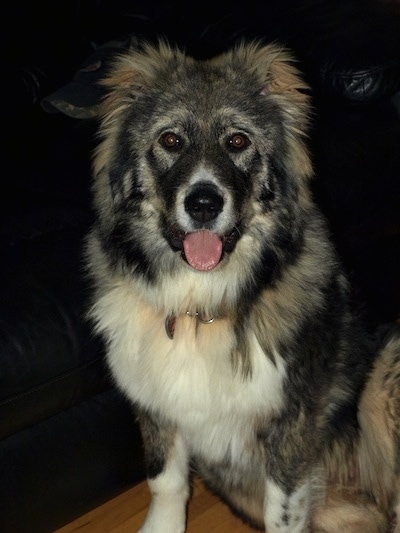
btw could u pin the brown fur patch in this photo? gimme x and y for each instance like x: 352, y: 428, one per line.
x: 380, y: 424
x: 348, y: 512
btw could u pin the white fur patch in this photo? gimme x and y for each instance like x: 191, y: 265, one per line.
x: 190, y: 379
x: 170, y: 491
x: 286, y: 513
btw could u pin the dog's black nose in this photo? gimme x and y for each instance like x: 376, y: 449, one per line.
x: 204, y: 203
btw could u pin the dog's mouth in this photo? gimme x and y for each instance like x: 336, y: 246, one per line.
x: 203, y: 250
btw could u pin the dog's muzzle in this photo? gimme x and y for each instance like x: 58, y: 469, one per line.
x: 203, y: 248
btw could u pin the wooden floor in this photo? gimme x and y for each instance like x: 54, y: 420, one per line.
x: 126, y: 513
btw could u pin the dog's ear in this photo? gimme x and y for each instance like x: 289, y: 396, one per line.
x: 282, y: 81
x: 273, y: 65
x: 276, y: 68
x: 135, y: 72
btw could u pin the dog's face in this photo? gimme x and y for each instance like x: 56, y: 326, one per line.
x: 202, y: 162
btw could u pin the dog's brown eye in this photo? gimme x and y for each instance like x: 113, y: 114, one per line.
x: 238, y: 141
x: 171, y: 141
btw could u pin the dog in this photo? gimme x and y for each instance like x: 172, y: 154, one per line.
x: 223, y: 304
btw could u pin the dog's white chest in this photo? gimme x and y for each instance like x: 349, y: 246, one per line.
x: 190, y: 380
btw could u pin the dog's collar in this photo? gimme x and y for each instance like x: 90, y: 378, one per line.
x: 171, y: 320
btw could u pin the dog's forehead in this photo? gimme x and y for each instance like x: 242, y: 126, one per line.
x: 208, y: 96
x: 212, y: 84
x: 215, y: 75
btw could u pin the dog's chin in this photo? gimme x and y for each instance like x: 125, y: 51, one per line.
x: 203, y: 250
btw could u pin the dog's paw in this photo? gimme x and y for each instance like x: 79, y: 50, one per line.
x: 151, y: 527
x: 287, y: 513
x: 160, y: 528
x: 156, y: 526
x: 165, y: 518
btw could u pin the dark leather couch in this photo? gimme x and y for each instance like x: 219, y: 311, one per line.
x: 68, y: 440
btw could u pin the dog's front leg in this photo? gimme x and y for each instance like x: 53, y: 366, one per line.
x: 167, y: 466
x: 287, y: 512
x: 290, y: 453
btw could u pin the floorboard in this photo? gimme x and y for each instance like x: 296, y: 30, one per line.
x: 126, y: 513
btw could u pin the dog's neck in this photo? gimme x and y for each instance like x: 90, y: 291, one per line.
x: 171, y: 320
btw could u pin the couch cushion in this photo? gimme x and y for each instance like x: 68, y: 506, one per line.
x: 48, y: 358
x: 68, y: 464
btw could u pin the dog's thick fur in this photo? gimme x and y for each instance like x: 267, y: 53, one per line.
x: 223, y: 304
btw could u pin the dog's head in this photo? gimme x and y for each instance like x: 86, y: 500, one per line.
x: 202, y: 164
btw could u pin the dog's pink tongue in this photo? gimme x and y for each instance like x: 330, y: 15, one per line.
x: 203, y: 249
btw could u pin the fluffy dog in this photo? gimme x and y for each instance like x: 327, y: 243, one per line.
x: 223, y: 304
